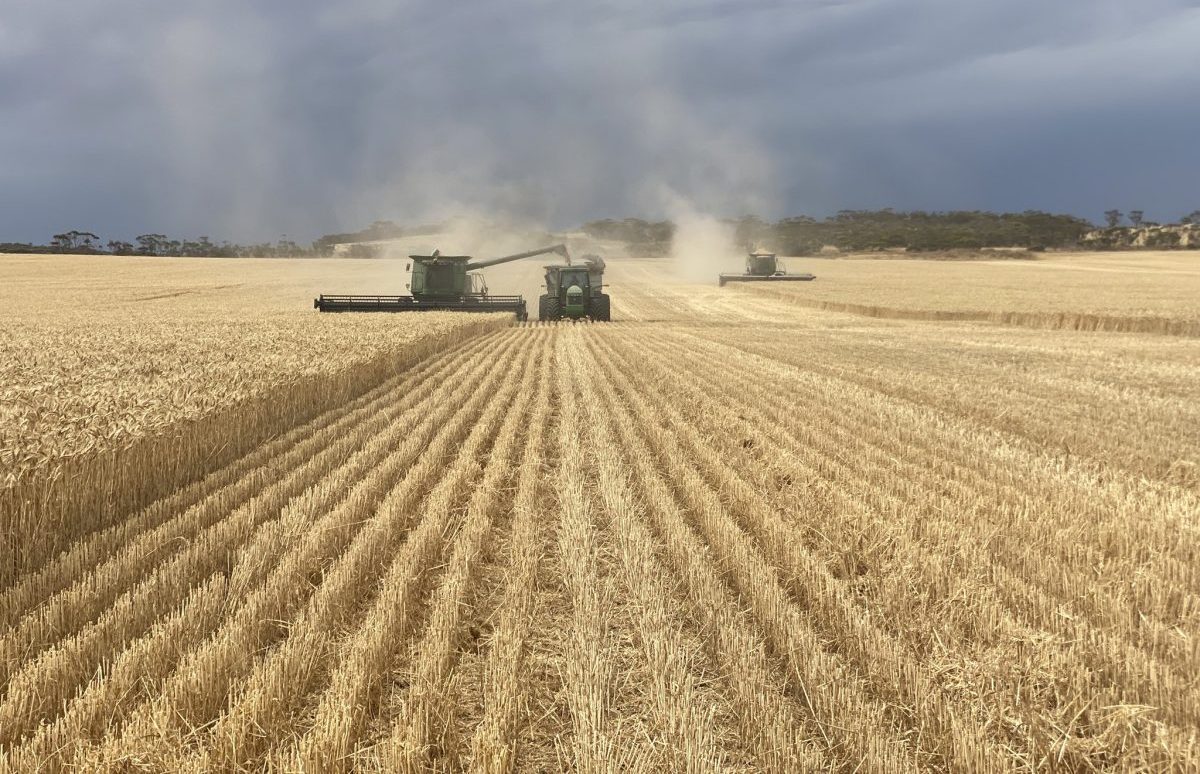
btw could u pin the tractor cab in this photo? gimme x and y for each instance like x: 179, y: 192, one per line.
x: 575, y: 289
x: 574, y: 292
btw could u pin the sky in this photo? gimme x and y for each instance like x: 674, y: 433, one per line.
x: 250, y: 120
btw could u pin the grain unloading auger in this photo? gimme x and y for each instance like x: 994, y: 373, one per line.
x: 764, y: 267
x: 442, y: 283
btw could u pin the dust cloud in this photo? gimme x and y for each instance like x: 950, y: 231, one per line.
x: 702, y: 247
x: 613, y: 137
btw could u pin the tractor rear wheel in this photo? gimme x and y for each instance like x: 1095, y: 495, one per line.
x: 548, y: 307
x: 601, y: 308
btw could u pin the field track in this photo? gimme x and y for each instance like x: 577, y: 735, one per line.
x: 688, y: 541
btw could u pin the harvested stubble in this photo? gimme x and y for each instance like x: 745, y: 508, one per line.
x: 847, y: 545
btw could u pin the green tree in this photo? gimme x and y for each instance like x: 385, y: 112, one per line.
x: 151, y: 244
x: 75, y: 241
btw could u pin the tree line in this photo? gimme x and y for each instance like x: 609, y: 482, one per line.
x: 160, y: 245
x: 89, y: 243
x: 1137, y: 218
x: 865, y: 230
x: 887, y: 229
x: 850, y: 230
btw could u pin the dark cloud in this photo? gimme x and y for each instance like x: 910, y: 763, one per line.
x: 251, y: 120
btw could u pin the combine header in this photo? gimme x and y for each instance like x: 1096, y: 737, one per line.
x: 763, y: 267
x: 442, y: 283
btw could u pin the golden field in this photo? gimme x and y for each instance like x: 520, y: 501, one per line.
x: 127, y: 373
x: 724, y: 532
x: 1152, y: 292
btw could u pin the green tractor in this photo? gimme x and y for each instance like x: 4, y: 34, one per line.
x: 574, y: 292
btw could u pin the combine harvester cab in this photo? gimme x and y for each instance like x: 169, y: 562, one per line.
x: 764, y: 267
x: 575, y: 292
x: 441, y: 283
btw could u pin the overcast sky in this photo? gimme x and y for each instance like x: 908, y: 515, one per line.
x: 245, y: 120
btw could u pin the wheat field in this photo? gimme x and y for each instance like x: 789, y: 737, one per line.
x: 726, y: 532
x: 1143, y: 292
x: 123, y: 379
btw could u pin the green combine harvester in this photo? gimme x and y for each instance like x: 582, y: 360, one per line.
x: 764, y: 267
x: 442, y: 283
x: 574, y: 292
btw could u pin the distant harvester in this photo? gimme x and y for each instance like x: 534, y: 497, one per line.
x: 764, y: 267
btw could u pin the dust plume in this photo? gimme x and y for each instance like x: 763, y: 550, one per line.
x: 703, y: 247
x: 530, y: 121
